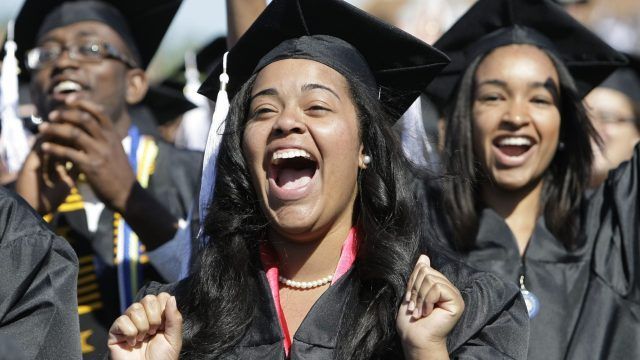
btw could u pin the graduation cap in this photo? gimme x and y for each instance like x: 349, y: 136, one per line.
x: 207, y: 58
x: 211, y: 54
x: 394, y: 64
x: 166, y: 102
x: 141, y: 23
x: 626, y: 79
x: 490, y: 24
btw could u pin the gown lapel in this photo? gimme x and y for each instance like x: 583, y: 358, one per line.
x: 557, y: 276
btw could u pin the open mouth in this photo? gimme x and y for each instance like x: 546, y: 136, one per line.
x: 292, y: 170
x: 513, y: 146
x: 66, y: 87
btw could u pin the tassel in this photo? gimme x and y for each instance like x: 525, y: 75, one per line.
x: 14, y: 145
x: 214, y: 140
x: 192, y: 132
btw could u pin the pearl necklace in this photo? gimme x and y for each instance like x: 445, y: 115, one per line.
x: 305, y: 284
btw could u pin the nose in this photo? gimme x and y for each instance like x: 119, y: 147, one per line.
x: 289, y: 122
x: 517, y: 113
x: 67, y: 58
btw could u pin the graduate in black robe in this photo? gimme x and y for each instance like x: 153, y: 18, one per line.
x: 126, y: 192
x: 311, y: 228
x: 614, y: 108
x: 38, y: 274
x: 577, y: 260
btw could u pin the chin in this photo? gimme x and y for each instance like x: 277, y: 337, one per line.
x: 292, y: 220
x: 512, y: 183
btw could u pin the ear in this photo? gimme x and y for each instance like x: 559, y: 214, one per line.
x: 137, y: 86
x: 361, y: 163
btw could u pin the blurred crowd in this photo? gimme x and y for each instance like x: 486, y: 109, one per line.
x: 108, y: 182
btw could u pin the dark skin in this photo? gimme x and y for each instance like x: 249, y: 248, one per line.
x: 240, y: 15
x: 84, y: 132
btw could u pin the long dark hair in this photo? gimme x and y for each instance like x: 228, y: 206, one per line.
x: 219, y: 301
x: 565, y: 180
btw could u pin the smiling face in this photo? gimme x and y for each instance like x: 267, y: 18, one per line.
x: 108, y: 82
x: 303, y: 148
x: 516, y: 117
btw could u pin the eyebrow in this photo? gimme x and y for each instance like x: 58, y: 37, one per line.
x: 305, y: 87
x: 309, y: 87
x: 265, y: 92
x: 548, y: 84
x: 82, y: 33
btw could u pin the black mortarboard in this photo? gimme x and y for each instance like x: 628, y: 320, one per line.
x: 394, y: 64
x: 166, y: 103
x: 211, y: 54
x: 494, y: 23
x: 141, y: 23
x: 626, y: 79
x: 206, y: 60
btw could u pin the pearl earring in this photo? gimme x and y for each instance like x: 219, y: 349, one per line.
x: 366, y: 160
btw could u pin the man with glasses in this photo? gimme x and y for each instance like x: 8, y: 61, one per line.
x: 614, y: 109
x: 113, y: 192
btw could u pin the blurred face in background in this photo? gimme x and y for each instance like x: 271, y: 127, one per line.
x: 613, y: 115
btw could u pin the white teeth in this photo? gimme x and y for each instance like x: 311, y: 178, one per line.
x: 289, y: 154
x: 515, y: 141
x: 67, y: 86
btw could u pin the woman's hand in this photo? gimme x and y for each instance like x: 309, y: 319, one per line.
x: 431, y: 308
x: 150, y: 329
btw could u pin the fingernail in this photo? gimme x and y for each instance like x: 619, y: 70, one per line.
x: 70, y: 98
x: 43, y: 126
x: 425, y: 259
x: 407, y: 296
x: 417, y: 313
x: 412, y: 305
x: 54, y: 115
x: 46, y: 146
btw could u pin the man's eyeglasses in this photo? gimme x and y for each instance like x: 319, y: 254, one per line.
x: 89, y: 51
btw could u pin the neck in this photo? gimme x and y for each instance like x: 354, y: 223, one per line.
x: 520, y: 208
x: 310, y: 259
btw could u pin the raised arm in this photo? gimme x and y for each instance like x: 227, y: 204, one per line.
x: 240, y: 15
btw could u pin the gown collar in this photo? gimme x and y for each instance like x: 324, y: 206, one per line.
x: 495, y: 234
x: 269, y: 260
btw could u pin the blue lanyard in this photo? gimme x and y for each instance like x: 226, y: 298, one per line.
x: 126, y: 273
x: 134, y: 135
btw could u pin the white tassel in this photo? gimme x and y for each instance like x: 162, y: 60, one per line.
x: 14, y: 145
x: 192, y: 132
x: 213, y: 144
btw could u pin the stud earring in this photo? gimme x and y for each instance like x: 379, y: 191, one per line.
x: 561, y: 146
x: 366, y: 160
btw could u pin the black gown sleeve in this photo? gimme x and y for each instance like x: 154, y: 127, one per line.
x: 495, y: 323
x: 38, y: 276
x: 612, y: 223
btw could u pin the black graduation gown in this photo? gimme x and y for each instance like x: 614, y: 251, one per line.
x: 589, y: 297
x: 38, y: 274
x: 174, y: 182
x: 494, y: 324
